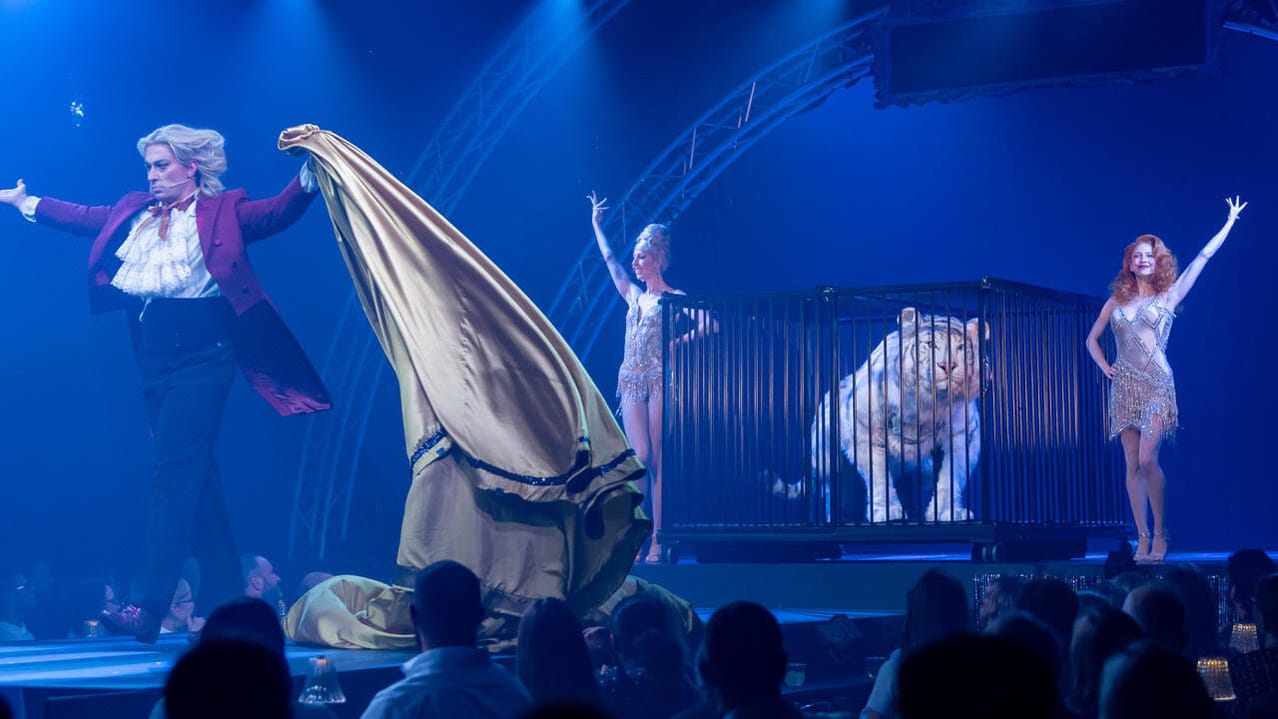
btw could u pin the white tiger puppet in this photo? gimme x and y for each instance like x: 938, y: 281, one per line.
x: 913, y: 401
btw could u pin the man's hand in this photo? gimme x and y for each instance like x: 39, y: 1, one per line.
x: 16, y: 196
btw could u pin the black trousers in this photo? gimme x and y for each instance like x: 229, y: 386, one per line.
x: 184, y: 355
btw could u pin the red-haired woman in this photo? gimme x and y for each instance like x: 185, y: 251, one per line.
x: 1142, y: 400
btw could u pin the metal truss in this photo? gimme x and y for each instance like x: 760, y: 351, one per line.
x: 1252, y: 17
x: 354, y: 366
x: 797, y: 82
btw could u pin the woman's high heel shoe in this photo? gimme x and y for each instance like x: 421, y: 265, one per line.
x: 652, y: 557
x: 1142, y: 546
x: 654, y: 554
x: 1158, y: 551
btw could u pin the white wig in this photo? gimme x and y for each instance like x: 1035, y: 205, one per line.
x: 203, y: 147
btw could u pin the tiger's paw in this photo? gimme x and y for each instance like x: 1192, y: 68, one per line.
x: 883, y: 515
x: 956, y: 514
x: 784, y: 490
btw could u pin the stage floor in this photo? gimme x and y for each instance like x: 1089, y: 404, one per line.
x: 73, y: 678
x: 117, y: 664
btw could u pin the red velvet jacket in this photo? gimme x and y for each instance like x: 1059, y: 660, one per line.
x: 266, y: 351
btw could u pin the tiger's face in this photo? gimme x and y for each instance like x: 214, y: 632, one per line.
x: 941, y: 354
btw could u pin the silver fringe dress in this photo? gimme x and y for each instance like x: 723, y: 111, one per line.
x: 640, y: 376
x: 1143, y: 390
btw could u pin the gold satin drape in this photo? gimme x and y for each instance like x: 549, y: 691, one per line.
x: 519, y: 470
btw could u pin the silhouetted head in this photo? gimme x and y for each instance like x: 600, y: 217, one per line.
x: 742, y: 658
x: 1246, y: 567
x: 551, y: 656
x: 245, y: 619
x: 935, y: 608
x: 1199, y: 600
x: 1029, y: 631
x: 1148, y: 680
x: 447, y: 607
x: 221, y: 679
x: 976, y: 676
x: 640, y: 613
x: 1160, y: 615
x: 1054, y: 603
x: 1099, y: 633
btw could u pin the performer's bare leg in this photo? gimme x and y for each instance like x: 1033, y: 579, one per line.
x: 1137, y: 491
x: 634, y: 420
x: 655, y: 408
x: 1156, y: 485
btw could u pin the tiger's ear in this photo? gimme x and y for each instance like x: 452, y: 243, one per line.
x: 973, y: 329
x: 908, y: 318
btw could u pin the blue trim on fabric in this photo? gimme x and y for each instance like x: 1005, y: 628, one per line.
x: 426, y: 445
x: 575, y: 478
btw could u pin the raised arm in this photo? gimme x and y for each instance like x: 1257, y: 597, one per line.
x: 1093, y: 339
x: 1190, y: 274
x: 619, y: 276
x: 263, y: 218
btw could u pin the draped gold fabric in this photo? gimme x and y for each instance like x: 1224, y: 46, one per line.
x: 519, y: 470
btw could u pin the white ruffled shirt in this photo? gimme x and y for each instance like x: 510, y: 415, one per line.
x: 172, y: 268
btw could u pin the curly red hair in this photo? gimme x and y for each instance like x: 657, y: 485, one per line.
x: 1166, y: 269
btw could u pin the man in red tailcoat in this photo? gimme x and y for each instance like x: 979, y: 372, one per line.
x: 174, y: 259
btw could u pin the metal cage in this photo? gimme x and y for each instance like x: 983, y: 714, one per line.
x: 926, y: 412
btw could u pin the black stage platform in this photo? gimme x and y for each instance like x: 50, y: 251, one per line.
x: 843, y: 647
x: 876, y: 581
x: 839, y: 617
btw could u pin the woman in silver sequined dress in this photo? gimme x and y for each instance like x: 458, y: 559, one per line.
x: 1142, y: 399
x: 639, y: 382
